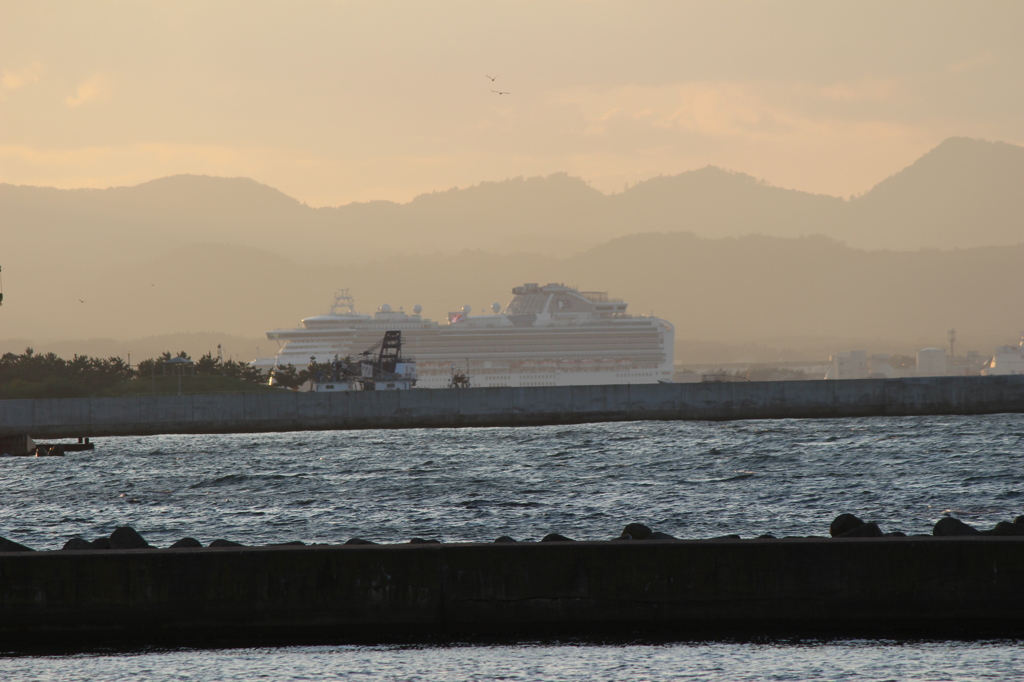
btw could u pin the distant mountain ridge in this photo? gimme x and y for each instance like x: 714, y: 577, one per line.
x: 961, y: 194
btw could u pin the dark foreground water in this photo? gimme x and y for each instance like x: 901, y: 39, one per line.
x: 847, y: 660
x: 689, y: 479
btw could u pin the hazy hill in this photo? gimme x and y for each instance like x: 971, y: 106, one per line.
x: 745, y: 290
x: 103, y: 225
x: 753, y: 288
x: 712, y: 202
x: 963, y: 193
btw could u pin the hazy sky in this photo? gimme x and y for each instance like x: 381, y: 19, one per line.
x: 349, y: 100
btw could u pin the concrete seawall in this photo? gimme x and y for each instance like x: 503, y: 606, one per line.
x: 959, y: 587
x: 288, y: 411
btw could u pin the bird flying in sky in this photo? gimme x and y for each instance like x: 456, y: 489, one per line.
x: 493, y: 78
x: 501, y: 92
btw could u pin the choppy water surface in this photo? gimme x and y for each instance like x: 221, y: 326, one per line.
x: 848, y: 660
x: 689, y: 479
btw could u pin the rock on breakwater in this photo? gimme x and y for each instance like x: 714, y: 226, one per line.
x: 845, y: 525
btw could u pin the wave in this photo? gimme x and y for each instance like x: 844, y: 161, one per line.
x: 476, y: 504
x: 236, y: 479
x: 727, y: 479
x: 994, y: 477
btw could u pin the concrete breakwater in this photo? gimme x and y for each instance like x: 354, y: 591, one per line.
x: 287, y: 411
x: 960, y: 582
x: 945, y: 586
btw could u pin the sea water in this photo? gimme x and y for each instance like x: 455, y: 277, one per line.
x: 688, y: 479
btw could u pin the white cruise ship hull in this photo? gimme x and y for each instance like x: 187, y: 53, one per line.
x: 567, y: 340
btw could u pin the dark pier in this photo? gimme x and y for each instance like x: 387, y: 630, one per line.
x: 875, y: 587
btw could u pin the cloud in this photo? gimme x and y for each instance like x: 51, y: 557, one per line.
x: 92, y: 89
x: 978, y: 61
x: 709, y: 108
x: 114, y: 165
x: 740, y: 110
x: 788, y: 131
x: 12, y: 80
x: 204, y: 157
x: 864, y: 89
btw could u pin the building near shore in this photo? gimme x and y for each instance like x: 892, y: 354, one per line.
x: 1007, y: 360
x: 931, y: 362
x: 849, y: 365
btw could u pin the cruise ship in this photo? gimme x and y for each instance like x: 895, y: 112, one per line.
x: 550, y: 335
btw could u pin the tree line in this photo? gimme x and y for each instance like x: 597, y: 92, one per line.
x: 32, y: 375
x: 46, y: 375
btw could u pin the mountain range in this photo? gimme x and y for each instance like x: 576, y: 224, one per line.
x: 961, y: 194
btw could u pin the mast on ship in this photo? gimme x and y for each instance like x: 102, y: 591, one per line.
x: 343, y: 299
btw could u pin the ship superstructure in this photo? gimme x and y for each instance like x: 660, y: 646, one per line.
x: 550, y: 335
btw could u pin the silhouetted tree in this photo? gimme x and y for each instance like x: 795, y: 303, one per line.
x: 208, y: 364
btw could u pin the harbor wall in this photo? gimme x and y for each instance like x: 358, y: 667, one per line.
x: 291, y: 411
x: 960, y: 587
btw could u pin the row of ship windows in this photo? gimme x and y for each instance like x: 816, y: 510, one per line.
x: 532, y: 371
x: 470, y: 338
x: 523, y: 350
x: 476, y: 337
x: 473, y: 339
x: 653, y: 355
x: 638, y: 359
x: 475, y: 366
x: 494, y: 382
x: 446, y: 368
x: 463, y: 329
x: 604, y: 339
